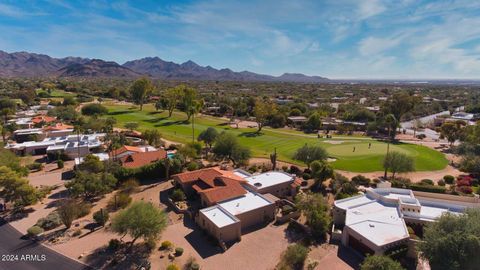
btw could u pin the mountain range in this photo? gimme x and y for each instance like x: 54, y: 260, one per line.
x: 24, y: 64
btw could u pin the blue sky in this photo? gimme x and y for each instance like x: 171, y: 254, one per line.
x: 332, y: 38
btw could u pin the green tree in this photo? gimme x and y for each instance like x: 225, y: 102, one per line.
x: 315, y: 209
x: 453, y: 241
x: 313, y: 122
x: 91, y: 184
x: 321, y: 171
x: 153, y: 137
x: 173, y: 97
x: 140, y: 90
x: 380, y: 263
x: 7, y: 107
x: 397, y: 162
x: 190, y: 103
x: 140, y: 220
x: 294, y: 257
x: 261, y: 111
x: 94, y: 109
x: 227, y: 146
x: 309, y: 153
x: 452, y: 131
x: 14, y: 188
x: 92, y: 164
x: 208, y: 136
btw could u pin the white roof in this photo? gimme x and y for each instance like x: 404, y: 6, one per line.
x: 219, y: 216
x: 269, y: 179
x: 380, y: 224
x: 245, y: 203
x: 101, y: 156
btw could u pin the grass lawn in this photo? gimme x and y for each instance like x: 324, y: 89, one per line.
x: 364, y: 159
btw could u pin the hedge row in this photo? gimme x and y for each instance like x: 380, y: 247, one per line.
x: 428, y: 188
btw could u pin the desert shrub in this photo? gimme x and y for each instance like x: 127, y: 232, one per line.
x: 43, y: 191
x: 449, y: 179
x: 83, y: 209
x: 361, y: 180
x: 166, y: 245
x: 36, y: 166
x: 178, y: 251
x: 194, y: 266
x: 427, y: 182
x: 306, y: 176
x: 101, y: 217
x: 114, y: 244
x: 253, y: 169
x: 341, y: 195
x: 129, y: 186
x: 441, y: 182
x: 295, y: 256
x: 60, y: 164
x: 463, y: 182
x: 51, y: 221
x: 284, y: 168
x: 120, y: 200
x: 173, y: 267
x: 77, y: 232
x: 178, y: 195
x: 34, y: 230
x: 191, y: 264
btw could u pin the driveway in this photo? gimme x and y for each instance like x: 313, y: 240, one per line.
x: 12, y: 247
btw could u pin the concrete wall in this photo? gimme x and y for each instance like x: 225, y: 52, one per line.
x: 281, y: 190
x: 232, y: 232
x: 257, y: 216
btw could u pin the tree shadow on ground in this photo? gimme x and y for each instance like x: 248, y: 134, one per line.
x: 121, y: 258
x: 68, y: 175
x: 119, y: 112
x: 155, y: 120
x: 172, y: 123
x: 59, y: 194
x: 250, y: 134
x: 14, y: 216
x: 156, y: 112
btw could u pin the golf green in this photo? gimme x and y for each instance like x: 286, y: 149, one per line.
x: 352, y: 153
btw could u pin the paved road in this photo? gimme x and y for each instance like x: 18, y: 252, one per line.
x: 19, y: 254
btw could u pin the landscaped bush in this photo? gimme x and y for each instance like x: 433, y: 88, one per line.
x: 427, y: 188
x: 192, y: 166
x: 151, y: 171
x: 449, y: 179
x: 101, y: 217
x: 295, y: 170
x: 60, y: 164
x: 94, y: 109
x: 441, y: 182
x: 361, y: 180
x: 397, y: 253
x: 401, y: 183
x: 427, y: 182
x: 284, y: 168
x: 474, y: 182
x: 119, y: 200
x: 465, y: 189
x: 178, y: 195
x: 173, y: 267
x: 306, y: 176
x: 166, y: 245
x: 51, y: 221
x: 287, y: 209
x: 34, y: 230
x: 178, y: 251
x: 463, y: 182
x: 194, y: 266
x: 253, y: 169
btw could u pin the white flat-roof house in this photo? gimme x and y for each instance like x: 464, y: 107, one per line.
x: 377, y: 220
x: 70, y: 145
x: 226, y: 220
x: 280, y: 184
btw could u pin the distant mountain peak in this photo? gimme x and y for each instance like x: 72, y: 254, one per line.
x: 24, y: 64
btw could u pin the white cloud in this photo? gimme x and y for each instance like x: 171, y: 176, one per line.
x: 369, y: 8
x: 373, y: 45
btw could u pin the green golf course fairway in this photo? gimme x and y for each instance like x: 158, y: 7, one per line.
x: 286, y: 141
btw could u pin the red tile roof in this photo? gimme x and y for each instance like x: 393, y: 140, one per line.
x: 44, y: 119
x: 58, y: 126
x: 125, y: 148
x: 140, y: 159
x: 213, y: 183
